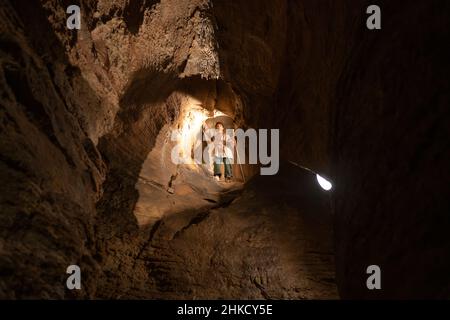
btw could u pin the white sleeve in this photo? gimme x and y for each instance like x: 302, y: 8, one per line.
x: 230, y: 141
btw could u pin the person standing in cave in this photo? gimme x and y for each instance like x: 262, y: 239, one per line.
x: 223, y: 150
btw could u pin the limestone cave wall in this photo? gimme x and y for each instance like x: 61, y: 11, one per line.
x: 85, y: 121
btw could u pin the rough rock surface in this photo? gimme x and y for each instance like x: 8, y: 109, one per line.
x: 260, y: 243
x: 84, y: 117
x: 389, y: 137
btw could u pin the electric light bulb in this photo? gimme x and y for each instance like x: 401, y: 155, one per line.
x: 325, y: 184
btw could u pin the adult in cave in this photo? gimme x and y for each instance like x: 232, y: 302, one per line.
x: 223, y: 144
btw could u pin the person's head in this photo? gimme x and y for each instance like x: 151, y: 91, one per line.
x: 219, y: 126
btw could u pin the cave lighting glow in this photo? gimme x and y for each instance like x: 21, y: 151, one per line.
x: 324, y: 183
x: 190, y: 139
x: 193, y: 121
x: 194, y: 115
x: 218, y: 113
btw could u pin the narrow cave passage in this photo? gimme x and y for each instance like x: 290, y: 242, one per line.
x: 90, y: 118
x: 175, y: 232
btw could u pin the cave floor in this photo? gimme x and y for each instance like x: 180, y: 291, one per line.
x: 269, y: 240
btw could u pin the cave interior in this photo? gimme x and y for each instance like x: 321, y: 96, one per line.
x: 87, y: 123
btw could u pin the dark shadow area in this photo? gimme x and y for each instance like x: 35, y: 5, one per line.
x: 47, y: 159
x: 134, y: 13
x: 391, y: 155
x: 300, y: 209
x: 143, y: 112
x: 275, y: 233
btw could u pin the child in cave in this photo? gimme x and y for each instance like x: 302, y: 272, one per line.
x: 223, y: 151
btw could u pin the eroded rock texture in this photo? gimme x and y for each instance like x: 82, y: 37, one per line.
x: 390, y: 156
x: 85, y: 127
